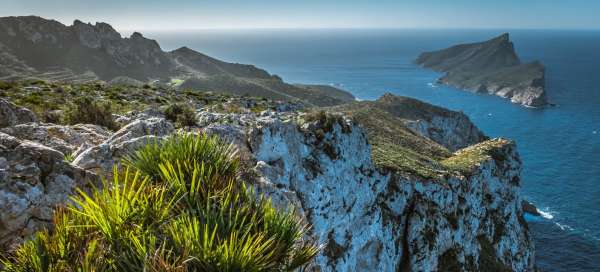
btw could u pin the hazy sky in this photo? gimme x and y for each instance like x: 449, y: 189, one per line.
x: 193, y: 14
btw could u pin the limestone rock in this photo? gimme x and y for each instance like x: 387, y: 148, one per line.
x: 34, y: 179
x: 66, y: 139
x: 370, y: 221
x: 103, y: 157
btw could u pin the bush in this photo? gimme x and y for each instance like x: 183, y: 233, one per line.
x: 84, y: 110
x: 181, y: 148
x: 326, y: 120
x: 181, y: 114
x: 184, y: 216
x: 4, y: 85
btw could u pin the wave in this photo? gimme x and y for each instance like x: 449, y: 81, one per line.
x: 545, y: 214
x: 564, y: 226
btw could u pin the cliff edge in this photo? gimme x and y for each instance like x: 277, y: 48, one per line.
x: 460, y: 211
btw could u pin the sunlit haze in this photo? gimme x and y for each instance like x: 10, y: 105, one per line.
x: 199, y: 14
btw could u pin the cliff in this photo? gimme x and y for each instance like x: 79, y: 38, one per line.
x: 489, y: 67
x: 33, y: 47
x: 467, y: 216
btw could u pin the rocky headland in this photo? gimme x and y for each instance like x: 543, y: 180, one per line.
x: 388, y: 185
x: 491, y: 67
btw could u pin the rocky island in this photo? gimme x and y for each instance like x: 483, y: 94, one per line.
x: 491, y: 67
x: 394, y: 184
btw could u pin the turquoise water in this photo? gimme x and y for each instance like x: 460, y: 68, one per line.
x: 560, y: 146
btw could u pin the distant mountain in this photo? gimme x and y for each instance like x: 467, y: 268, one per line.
x: 36, y: 47
x: 489, y: 67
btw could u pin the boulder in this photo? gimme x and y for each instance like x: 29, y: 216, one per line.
x: 11, y: 114
x: 66, y: 139
x: 102, y: 158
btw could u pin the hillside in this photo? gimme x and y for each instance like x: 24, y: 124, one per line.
x: 33, y: 47
x: 489, y: 67
x: 408, y: 135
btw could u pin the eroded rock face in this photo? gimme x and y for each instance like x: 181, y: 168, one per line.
x: 452, y: 132
x: 103, y: 157
x: 11, y: 114
x: 66, y: 139
x: 34, y: 180
x: 370, y: 221
x: 365, y: 219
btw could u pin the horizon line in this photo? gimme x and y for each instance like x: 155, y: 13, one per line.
x: 359, y: 28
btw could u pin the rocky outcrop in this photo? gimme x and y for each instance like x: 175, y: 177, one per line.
x: 11, y: 114
x: 66, y: 139
x: 489, y: 67
x: 34, y: 180
x: 36, y: 47
x: 451, y: 129
x: 365, y: 217
x: 373, y: 221
x: 103, y: 157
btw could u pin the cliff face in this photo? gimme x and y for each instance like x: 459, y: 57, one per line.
x: 46, y: 49
x: 373, y: 221
x: 489, y: 67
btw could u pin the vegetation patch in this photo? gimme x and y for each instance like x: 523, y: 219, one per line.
x: 467, y: 159
x: 181, y: 114
x: 85, y: 110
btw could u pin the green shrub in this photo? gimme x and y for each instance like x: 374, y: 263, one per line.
x: 326, y: 120
x: 84, y: 110
x: 69, y: 157
x: 4, y: 85
x: 190, y: 213
x: 201, y: 149
x: 181, y: 114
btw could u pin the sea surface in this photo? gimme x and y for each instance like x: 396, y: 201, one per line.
x: 560, y: 146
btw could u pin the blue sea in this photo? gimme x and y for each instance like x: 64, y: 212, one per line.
x: 560, y: 146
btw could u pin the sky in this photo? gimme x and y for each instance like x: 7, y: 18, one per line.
x: 203, y: 14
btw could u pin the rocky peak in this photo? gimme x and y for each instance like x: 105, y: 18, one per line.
x: 137, y: 36
x: 95, y: 36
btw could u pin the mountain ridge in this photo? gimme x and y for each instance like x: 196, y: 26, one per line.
x: 32, y: 46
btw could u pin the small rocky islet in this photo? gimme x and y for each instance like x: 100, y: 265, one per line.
x: 491, y: 67
x: 386, y: 185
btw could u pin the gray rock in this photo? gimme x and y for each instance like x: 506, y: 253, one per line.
x: 102, y: 158
x: 34, y: 180
x: 11, y: 114
x: 66, y: 139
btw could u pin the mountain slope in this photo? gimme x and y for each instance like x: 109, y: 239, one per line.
x: 489, y: 67
x: 36, y: 47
